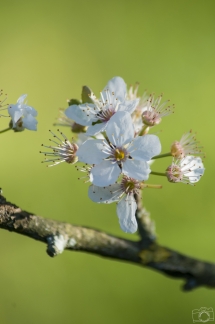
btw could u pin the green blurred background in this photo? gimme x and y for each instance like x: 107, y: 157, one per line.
x: 49, y: 49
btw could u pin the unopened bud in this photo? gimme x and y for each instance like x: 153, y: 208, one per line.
x: 151, y: 118
x: 177, y: 150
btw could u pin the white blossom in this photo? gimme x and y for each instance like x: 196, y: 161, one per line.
x: 97, y: 115
x: 22, y: 115
x: 188, y: 170
x: 155, y: 111
x: 121, y: 153
x: 188, y: 145
x: 123, y: 193
x: 61, y: 151
x: 149, y: 111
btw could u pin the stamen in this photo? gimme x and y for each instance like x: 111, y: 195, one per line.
x: 64, y: 151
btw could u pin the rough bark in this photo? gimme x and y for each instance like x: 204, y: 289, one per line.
x: 146, y: 252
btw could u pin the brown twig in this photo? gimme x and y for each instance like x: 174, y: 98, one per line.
x: 59, y: 236
x: 146, y: 226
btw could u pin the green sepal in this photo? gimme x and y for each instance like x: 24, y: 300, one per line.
x: 86, y: 92
x: 73, y: 102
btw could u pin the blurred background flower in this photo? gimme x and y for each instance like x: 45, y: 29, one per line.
x: 49, y: 50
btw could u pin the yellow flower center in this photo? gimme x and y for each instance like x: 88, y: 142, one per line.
x: 119, y: 154
x: 130, y: 186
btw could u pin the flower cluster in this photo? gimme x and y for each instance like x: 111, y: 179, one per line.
x: 113, y: 141
x: 22, y: 115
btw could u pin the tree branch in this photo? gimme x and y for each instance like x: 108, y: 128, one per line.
x: 59, y: 236
x: 146, y: 226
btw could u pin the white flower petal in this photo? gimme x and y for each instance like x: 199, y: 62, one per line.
x: 27, y: 110
x: 118, y: 86
x: 126, y: 209
x: 105, y: 195
x: 120, y: 130
x: 82, y: 114
x: 145, y: 147
x: 15, y: 113
x: 128, y: 105
x: 22, y: 99
x: 193, y: 168
x: 91, y: 151
x: 136, y: 169
x: 82, y: 138
x: 96, y: 129
x: 29, y: 122
x: 194, y: 176
x: 104, y: 174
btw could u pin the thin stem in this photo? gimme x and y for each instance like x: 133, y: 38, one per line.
x: 5, y: 130
x: 158, y: 173
x: 144, y: 130
x: 162, y: 155
x: 153, y: 186
x: 59, y: 124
